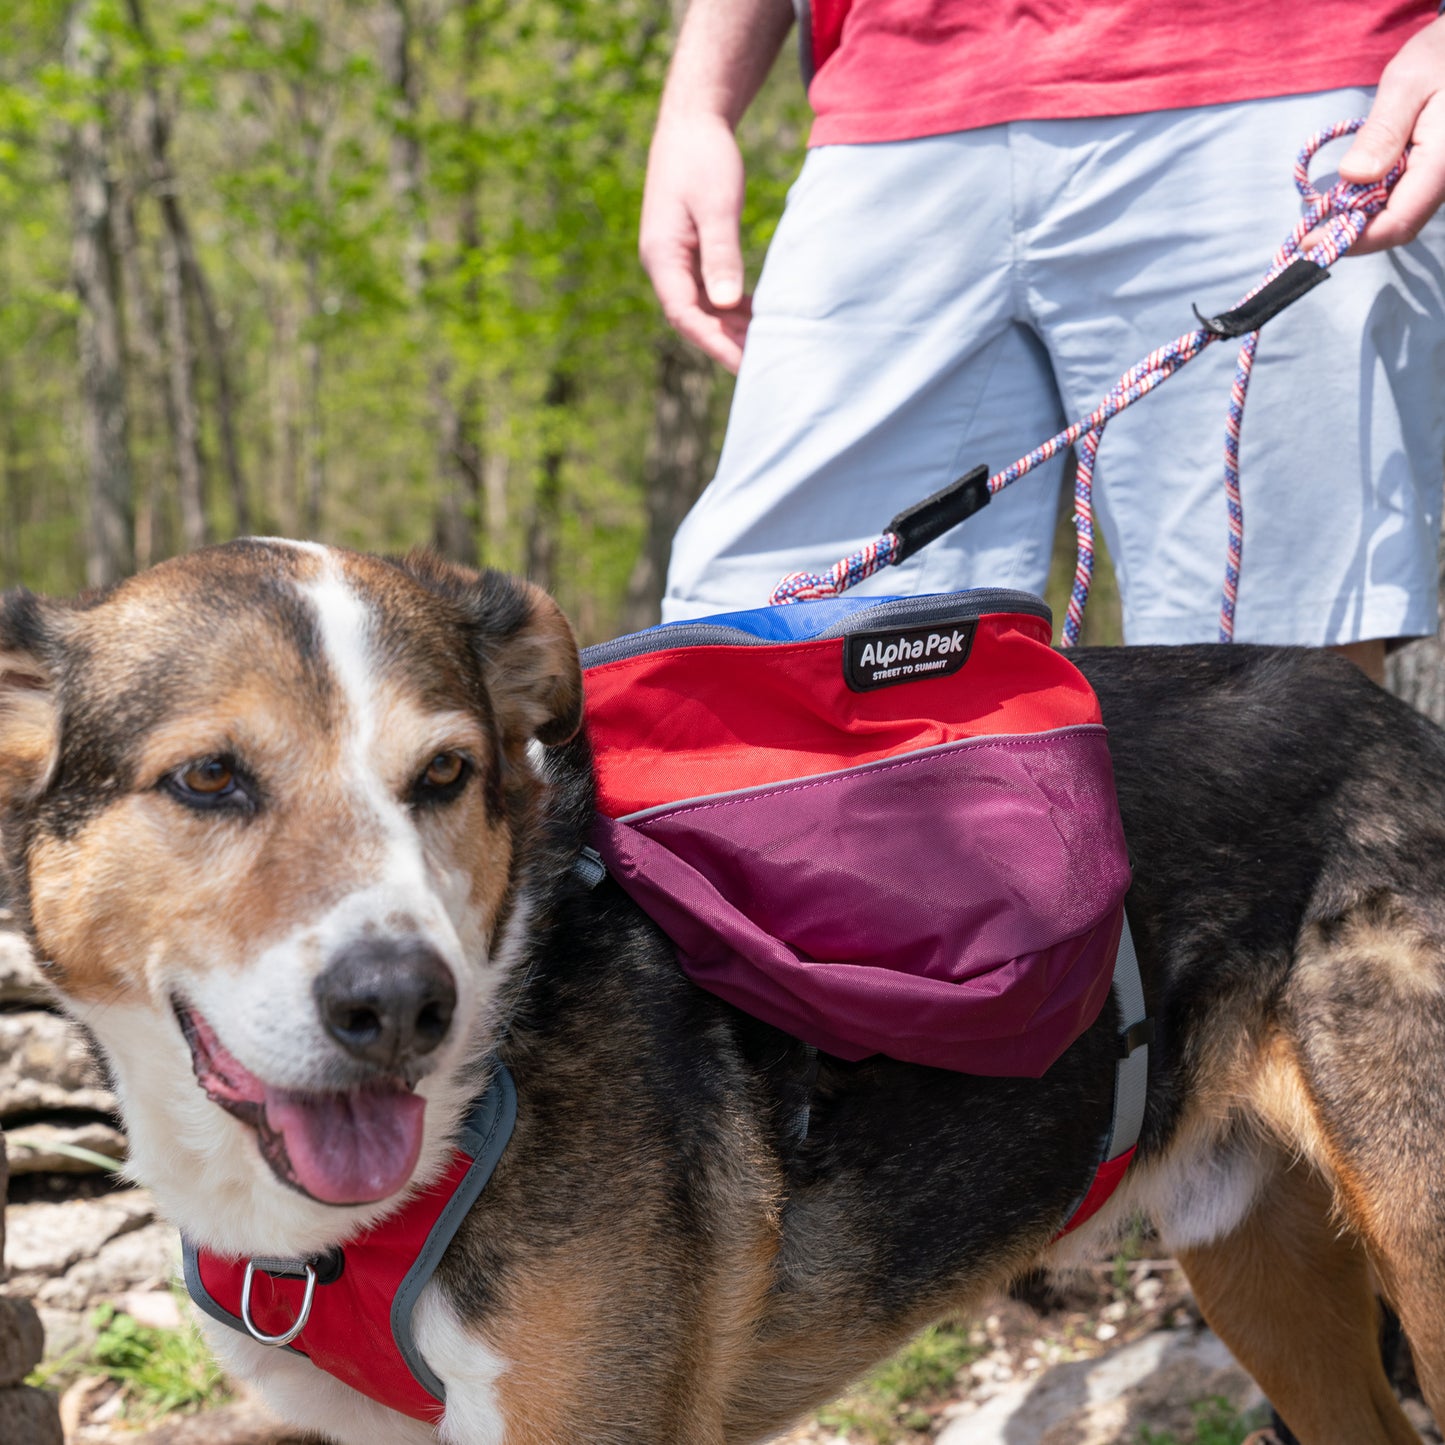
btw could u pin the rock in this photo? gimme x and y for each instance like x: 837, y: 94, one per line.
x: 21, y: 981
x: 4, y: 1185
x: 1149, y: 1291
x: 156, y: 1308
x: 30, y: 1416
x: 22, y: 1341
x: 83, y: 1400
x: 1152, y: 1382
x: 72, y: 1256
x: 144, y: 1259
x: 47, y: 1239
x: 33, y: 1147
x: 45, y: 1064
x: 68, y: 1336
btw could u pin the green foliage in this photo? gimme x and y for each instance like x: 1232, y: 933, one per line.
x: 895, y: 1398
x: 380, y: 260
x: 162, y: 1371
x: 1216, y: 1422
x: 1131, y: 1248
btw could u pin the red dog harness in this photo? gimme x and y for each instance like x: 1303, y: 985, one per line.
x: 349, y: 1311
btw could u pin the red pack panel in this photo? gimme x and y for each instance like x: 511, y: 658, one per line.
x: 690, y: 722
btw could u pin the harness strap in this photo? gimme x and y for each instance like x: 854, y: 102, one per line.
x: 1131, y: 1083
x: 1131, y: 1074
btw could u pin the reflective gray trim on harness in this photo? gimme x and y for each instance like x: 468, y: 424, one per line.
x: 1136, y: 1032
x: 1131, y: 1084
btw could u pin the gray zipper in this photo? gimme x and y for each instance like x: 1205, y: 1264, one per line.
x: 897, y: 612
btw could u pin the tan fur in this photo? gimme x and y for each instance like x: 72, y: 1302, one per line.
x: 1289, y: 1293
x: 29, y: 727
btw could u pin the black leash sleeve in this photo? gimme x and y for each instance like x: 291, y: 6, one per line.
x: 1299, y: 277
x: 942, y: 512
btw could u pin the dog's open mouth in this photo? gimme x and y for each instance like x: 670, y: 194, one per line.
x: 351, y: 1147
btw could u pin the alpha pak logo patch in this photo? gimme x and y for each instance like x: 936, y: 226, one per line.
x: 906, y: 654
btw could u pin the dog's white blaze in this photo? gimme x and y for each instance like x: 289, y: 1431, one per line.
x: 404, y: 883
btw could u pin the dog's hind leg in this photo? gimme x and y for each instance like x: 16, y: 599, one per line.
x: 1290, y: 1294
x: 1352, y: 1086
x: 1366, y: 1010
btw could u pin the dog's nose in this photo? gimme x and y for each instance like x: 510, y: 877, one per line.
x: 387, y: 1002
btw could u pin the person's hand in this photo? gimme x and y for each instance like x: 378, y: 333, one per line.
x: 1409, y: 108
x: 689, y: 239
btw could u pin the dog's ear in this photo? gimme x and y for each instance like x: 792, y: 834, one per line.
x: 29, y: 709
x: 528, y: 654
x: 533, y: 671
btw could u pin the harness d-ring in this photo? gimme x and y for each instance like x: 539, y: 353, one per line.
x: 282, y: 1339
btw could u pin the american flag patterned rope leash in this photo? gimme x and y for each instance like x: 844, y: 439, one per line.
x: 1343, y: 211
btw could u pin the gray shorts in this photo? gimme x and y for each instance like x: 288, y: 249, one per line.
x: 929, y: 305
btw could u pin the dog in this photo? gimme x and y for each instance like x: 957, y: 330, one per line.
x: 238, y: 789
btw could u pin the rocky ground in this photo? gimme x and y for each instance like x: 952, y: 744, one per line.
x: 1113, y: 1356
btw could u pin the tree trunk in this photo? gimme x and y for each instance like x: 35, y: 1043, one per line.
x: 218, y: 359
x: 457, y: 513
x: 315, y: 426
x: 109, y: 550
x: 1417, y: 672
x: 543, y: 533
x: 679, y: 451
x: 142, y: 329
x: 180, y: 353
x: 309, y: 128
x: 13, y: 515
x: 181, y: 376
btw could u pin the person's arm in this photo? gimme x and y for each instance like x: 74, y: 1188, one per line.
x: 1409, y: 108
x: 693, y: 198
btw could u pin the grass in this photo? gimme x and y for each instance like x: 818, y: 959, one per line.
x: 1130, y: 1248
x: 894, y: 1400
x: 1216, y: 1422
x: 160, y: 1371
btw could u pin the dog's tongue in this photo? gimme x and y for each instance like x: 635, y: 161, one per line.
x: 350, y: 1148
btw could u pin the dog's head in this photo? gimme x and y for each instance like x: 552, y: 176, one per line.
x: 270, y: 811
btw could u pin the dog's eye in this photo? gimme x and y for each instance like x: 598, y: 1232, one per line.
x: 212, y: 777
x: 207, y: 783
x: 445, y: 777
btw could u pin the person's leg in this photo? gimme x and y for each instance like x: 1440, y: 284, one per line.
x: 1344, y: 430
x: 884, y: 359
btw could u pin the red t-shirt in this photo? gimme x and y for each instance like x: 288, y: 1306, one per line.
x: 898, y: 69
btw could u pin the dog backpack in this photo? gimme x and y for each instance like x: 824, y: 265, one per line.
x: 885, y: 827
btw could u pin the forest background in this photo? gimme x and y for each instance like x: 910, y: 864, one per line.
x: 358, y: 270
x: 365, y: 271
